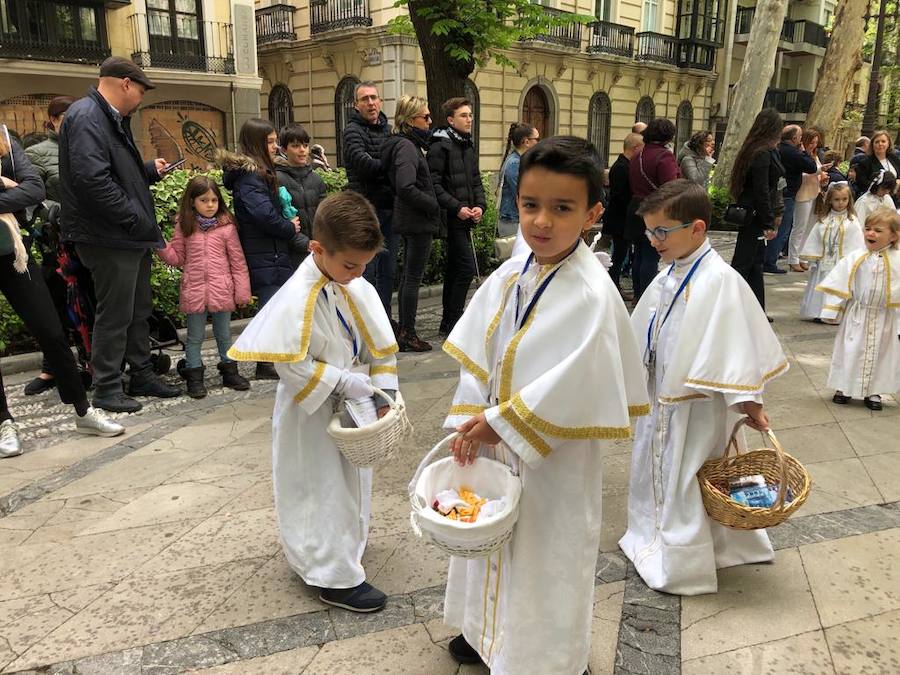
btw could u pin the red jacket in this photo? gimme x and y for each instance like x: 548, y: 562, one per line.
x: 215, y: 277
x: 659, y: 166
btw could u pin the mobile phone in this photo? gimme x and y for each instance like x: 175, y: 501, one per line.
x: 173, y: 166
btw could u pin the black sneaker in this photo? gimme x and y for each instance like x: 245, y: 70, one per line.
x: 265, y: 370
x: 462, y: 651
x: 363, y: 598
x: 840, y: 398
x: 117, y: 403
x: 39, y: 386
x: 767, y: 269
x: 150, y: 384
x: 873, y: 403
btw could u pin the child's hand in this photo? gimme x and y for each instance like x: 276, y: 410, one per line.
x: 472, y: 433
x: 383, y: 410
x: 756, y: 416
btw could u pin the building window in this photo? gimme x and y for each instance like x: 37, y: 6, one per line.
x: 537, y: 112
x: 174, y: 26
x: 650, y: 15
x: 599, y: 123
x: 281, y: 106
x: 646, y: 110
x: 471, y: 93
x: 701, y: 21
x: 603, y: 10
x: 343, y: 105
x: 684, y: 123
x: 60, y: 31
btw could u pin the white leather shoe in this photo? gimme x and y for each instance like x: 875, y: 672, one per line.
x: 10, y: 445
x: 96, y: 423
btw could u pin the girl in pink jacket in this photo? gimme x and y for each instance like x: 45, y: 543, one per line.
x: 214, y: 280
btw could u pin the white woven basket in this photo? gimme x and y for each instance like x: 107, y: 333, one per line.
x: 374, y: 443
x: 486, y: 477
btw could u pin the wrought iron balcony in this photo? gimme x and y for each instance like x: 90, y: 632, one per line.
x: 185, y: 44
x: 694, y: 55
x: 657, y: 47
x: 790, y: 101
x: 53, y: 32
x: 795, y: 32
x: 275, y: 24
x: 65, y: 51
x: 611, y: 38
x: 568, y: 35
x: 328, y: 15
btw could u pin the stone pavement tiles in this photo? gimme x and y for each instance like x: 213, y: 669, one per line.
x: 157, y: 552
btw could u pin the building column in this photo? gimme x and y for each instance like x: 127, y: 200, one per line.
x: 246, y: 84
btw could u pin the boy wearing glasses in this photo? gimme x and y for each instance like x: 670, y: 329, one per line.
x: 709, y: 352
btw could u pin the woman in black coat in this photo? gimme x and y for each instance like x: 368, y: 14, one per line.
x: 417, y: 214
x: 755, y: 181
x: 881, y: 157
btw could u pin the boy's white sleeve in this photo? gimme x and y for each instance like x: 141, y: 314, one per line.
x: 833, y: 308
x: 734, y: 401
x: 472, y: 398
x: 383, y: 372
x: 311, y: 381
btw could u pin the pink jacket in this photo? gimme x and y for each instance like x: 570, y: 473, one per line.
x: 215, y: 276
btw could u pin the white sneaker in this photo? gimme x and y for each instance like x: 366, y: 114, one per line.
x: 96, y: 423
x: 10, y: 445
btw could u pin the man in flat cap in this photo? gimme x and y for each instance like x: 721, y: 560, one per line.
x: 107, y: 213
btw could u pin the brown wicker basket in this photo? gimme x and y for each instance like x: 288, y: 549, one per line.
x: 774, y: 463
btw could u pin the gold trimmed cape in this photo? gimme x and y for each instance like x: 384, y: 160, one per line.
x: 839, y: 282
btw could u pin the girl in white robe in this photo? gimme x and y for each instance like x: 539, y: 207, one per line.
x: 864, y: 292
x: 836, y: 233
x: 877, y: 196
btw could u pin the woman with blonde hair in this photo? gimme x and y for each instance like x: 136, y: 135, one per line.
x: 417, y: 214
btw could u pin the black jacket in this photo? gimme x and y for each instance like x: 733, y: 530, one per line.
x: 869, y: 167
x: 362, y: 159
x: 619, y: 195
x: 761, y: 188
x: 416, y: 208
x: 30, y: 189
x: 265, y: 234
x: 795, y: 163
x: 456, y: 178
x: 307, y: 190
x: 103, y: 182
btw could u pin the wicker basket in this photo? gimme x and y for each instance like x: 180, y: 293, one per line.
x: 374, y: 443
x: 484, y: 476
x: 773, y: 463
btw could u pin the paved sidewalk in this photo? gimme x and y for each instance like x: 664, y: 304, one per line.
x: 157, y: 552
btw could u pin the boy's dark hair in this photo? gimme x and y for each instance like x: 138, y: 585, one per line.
x: 293, y: 133
x: 680, y: 200
x: 659, y: 130
x: 345, y: 221
x: 453, y: 104
x: 567, y: 155
x: 883, y: 179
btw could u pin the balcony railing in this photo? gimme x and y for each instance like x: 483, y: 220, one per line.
x: 611, y: 38
x: 568, y: 35
x: 189, y: 44
x: 326, y: 15
x: 793, y: 31
x: 67, y: 51
x: 788, y: 100
x: 275, y: 24
x: 657, y: 47
x: 694, y: 55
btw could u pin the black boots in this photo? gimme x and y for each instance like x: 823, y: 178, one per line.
x: 194, y: 378
x: 231, y: 378
x: 265, y: 370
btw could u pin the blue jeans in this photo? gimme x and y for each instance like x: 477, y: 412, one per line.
x: 196, y: 331
x: 380, y: 272
x: 644, y: 266
x: 774, y: 247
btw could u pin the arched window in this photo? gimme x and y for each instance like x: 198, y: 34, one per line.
x: 646, y: 110
x: 471, y: 93
x: 599, y: 122
x: 281, y: 106
x: 684, y: 123
x: 343, y: 104
x: 536, y: 110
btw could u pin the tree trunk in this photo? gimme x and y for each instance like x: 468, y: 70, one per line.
x: 841, y: 63
x: 750, y: 91
x: 445, y: 77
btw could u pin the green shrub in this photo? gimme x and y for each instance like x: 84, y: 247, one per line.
x: 720, y: 198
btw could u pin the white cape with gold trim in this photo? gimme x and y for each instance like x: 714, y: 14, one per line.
x: 827, y: 242
x: 715, y: 350
x: 863, y: 290
x: 554, y: 391
x: 322, y: 502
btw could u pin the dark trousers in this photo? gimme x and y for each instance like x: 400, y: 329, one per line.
x: 57, y: 288
x: 264, y: 294
x: 620, y: 248
x: 750, y: 252
x: 774, y: 248
x: 380, y: 272
x: 644, y: 267
x: 27, y: 294
x: 416, y: 249
x: 458, y: 274
x: 124, y: 304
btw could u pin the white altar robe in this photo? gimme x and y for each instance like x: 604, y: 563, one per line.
x: 864, y: 292
x: 322, y: 502
x: 714, y: 351
x: 553, y: 390
x: 868, y: 203
x: 829, y: 240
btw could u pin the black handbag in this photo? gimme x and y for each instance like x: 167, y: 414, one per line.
x: 738, y: 215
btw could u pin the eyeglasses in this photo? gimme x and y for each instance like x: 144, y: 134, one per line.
x: 427, y: 118
x: 660, y: 233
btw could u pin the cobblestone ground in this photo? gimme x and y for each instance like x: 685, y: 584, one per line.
x: 157, y: 552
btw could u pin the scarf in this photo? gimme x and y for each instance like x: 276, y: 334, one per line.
x: 206, y: 223
x: 465, y: 139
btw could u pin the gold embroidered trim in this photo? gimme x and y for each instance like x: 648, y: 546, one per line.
x: 275, y: 357
x: 638, y: 410
x: 382, y: 370
x: 741, y: 387
x: 813, y: 258
x: 487, y: 581
x: 460, y: 357
x: 509, y: 358
x: 832, y: 291
x: 496, y: 603
x: 377, y: 352
x: 525, y: 431
x: 310, y: 386
x: 467, y: 409
x: 834, y: 308
x: 492, y: 327
x: 573, y: 433
x: 679, y: 399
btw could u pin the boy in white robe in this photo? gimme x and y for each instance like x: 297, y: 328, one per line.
x: 549, y: 369
x: 864, y: 292
x: 328, y: 335
x: 709, y: 353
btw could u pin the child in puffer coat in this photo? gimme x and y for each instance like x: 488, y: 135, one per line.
x: 214, y: 280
